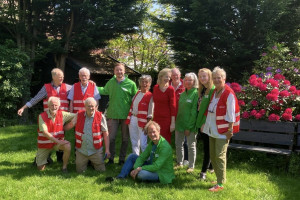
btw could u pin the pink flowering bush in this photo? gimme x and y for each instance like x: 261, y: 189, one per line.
x: 273, y: 92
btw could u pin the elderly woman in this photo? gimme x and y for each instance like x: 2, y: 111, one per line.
x: 155, y: 164
x: 140, y: 113
x: 185, y: 121
x: 164, y: 104
x: 222, y: 121
x: 205, y: 91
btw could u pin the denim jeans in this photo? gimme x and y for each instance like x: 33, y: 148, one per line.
x: 143, y: 175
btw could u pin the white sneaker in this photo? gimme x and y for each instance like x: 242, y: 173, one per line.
x: 185, y: 163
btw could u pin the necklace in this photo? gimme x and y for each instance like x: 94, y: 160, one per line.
x: 218, y: 92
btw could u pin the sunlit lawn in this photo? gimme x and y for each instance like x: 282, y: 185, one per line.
x: 248, y: 178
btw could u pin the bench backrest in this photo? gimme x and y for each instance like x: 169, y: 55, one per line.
x: 266, y: 132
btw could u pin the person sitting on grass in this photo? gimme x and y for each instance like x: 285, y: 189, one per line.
x: 155, y: 164
x: 51, y: 134
x: 90, y: 131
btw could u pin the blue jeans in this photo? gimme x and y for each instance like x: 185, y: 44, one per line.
x: 143, y: 175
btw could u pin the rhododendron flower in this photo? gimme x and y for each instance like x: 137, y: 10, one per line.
x: 297, y: 93
x: 288, y: 110
x: 254, y: 103
x: 253, y: 82
x: 253, y: 112
x: 253, y: 76
x: 287, y: 116
x: 241, y: 102
x: 272, y: 97
x: 297, y: 117
x: 258, y: 115
x: 273, y: 82
x: 236, y: 87
x: 286, y: 82
x: 274, y: 117
x: 292, y: 89
x: 279, y: 77
x: 284, y: 93
x: 276, y: 107
x: 259, y: 80
x: 275, y: 91
x: 269, y: 68
x: 262, y: 111
x: 262, y: 87
x: 246, y: 115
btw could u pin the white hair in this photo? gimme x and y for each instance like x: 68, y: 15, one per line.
x: 90, y: 100
x: 52, y: 99
x: 84, y: 69
x: 219, y: 70
x: 193, y: 76
x: 175, y: 70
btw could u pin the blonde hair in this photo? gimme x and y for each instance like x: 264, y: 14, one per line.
x: 194, y: 77
x: 151, y: 123
x: 56, y: 71
x: 210, y: 81
x: 220, y: 70
x: 162, y: 73
x: 53, y: 98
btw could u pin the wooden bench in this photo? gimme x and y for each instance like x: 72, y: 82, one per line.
x: 264, y: 136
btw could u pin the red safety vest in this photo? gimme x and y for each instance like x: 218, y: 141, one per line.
x: 223, y: 125
x: 64, y: 103
x: 96, y: 129
x: 142, y: 109
x: 78, y: 100
x: 54, y: 128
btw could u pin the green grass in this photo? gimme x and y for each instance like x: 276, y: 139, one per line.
x: 249, y: 176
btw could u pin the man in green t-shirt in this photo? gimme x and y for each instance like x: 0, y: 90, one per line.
x: 121, y: 91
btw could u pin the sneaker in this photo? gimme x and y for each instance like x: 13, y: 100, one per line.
x: 216, y: 188
x: 185, y: 163
x: 202, y: 176
x: 190, y: 170
x: 178, y: 166
x: 211, y: 171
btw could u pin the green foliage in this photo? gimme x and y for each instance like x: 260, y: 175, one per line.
x: 231, y: 33
x: 146, y: 50
x: 13, y: 69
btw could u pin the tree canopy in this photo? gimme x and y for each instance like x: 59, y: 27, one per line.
x: 231, y: 33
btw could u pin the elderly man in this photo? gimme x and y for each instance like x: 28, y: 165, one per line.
x: 120, y: 90
x: 90, y: 131
x: 82, y: 90
x: 155, y: 164
x: 51, y: 134
x: 177, y: 83
x: 56, y: 88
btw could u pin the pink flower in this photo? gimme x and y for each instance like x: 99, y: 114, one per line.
x: 253, y: 76
x: 284, y: 93
x: 297, y: 117
x: 254, y: 103
x: 258, y: 115
x: 259, y: 80
x: 273, y: 82
x: 246, y: 115
x: 262, y: 111
x: 279, y: 77
x: 275, y: 91
x: 296, y: 93
x: 241, y: 102
x: 287, y: 117
x: 236, y: 87
x: 274, y: 117
x: 286, y: 82
x: 253, y: 112
x: 262, y: 87
x: 253, y: 82
x: 272, y: 97
x: 288, y: 111
x: 276, y: 107
x: 292, y: 89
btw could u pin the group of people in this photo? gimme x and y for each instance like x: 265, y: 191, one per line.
x: 201, y: 104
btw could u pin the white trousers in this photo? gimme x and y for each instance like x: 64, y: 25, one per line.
x: 137, y: 136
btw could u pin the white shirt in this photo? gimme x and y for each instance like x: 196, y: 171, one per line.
x: 210, y: 126
x: 136, y: 102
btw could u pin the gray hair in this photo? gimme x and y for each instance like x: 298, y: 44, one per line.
x: 152, y: 123
x: 56, y: 71
x: 52, y: 99
x: 175, y: 70
x: 90, y: 100
x: 193, y: 76
x: 147, y: 77
x: 219, y: 70
x: 84, y: 69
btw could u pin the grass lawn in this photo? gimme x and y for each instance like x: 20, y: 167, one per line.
x: 249, y: 176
